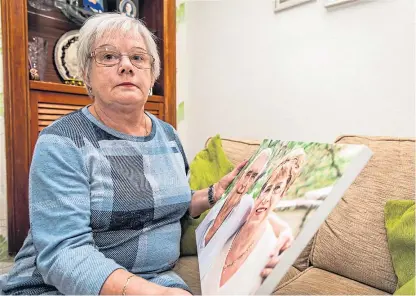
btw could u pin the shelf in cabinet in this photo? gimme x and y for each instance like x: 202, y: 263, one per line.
x: 158, y: 99
x: 58, y: 87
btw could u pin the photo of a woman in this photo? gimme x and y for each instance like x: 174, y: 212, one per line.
x: 129, y: 8
x: 263, y: 233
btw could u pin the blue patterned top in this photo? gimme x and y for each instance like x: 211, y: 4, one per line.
x: 101, y: 200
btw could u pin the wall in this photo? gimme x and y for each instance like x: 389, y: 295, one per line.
x: 307, y: 73
x: 182, y: 88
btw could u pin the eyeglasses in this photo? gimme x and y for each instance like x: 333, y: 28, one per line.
x: 109, y: 58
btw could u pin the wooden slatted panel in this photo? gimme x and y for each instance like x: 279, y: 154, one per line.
x: 49, y: 112
x: 48, y: 117
x: 150, y: 106
x: 59, y: 106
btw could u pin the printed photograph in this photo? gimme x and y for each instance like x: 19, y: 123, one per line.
x: 129, y: 8
x: 97, y: 6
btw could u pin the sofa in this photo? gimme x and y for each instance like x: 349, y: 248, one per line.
x: 349, y: 254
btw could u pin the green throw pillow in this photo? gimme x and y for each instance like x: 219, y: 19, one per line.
x: 400, y: 226
x: 208, y: 167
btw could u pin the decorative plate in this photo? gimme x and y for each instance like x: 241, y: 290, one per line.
x: 66, y: 56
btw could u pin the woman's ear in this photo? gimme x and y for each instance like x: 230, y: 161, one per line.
x: 85, y: 79
x: 87, y: 85
x: 151, y: 87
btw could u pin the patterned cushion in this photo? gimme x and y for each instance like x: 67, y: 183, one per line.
x: 237, y: 151
x: 208, y: 167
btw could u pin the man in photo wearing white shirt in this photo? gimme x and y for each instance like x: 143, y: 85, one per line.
x: 224, y: 219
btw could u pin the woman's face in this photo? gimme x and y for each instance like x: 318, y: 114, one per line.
x: 269, y: 196
x: 128, y: 8
x: 123, y: 84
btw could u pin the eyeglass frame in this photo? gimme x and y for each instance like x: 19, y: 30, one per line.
x: 94, y: 55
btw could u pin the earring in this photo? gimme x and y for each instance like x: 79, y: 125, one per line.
x: 151, y: 91
x: 89, y: 88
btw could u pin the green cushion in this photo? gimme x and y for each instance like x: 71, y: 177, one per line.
x: 407, y: 289
x: 207, y: 168
x: 400, y: 226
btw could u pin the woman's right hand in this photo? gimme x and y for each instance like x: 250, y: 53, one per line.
x: 136, y: 286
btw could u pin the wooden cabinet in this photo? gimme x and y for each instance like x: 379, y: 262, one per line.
x: 32, y: 105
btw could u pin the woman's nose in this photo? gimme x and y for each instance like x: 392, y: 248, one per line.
x: 244, y: 182
x: 267, y: 198
x: 125, y: 65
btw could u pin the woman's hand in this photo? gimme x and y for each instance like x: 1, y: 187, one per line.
x: 222, y: 185
x: 274, y: 259
x: 199, y: 201
x: 284, y: 241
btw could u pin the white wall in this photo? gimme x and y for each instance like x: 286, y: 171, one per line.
x: 182, y: 67
x: 307, y: 73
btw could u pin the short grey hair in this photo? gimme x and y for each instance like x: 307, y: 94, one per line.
x: 111, y: 22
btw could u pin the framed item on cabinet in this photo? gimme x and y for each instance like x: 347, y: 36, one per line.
x: 285, y: 4
x: 96, y: 6
x: 331, y: 3
x: 65, y: 56
x: 128, y: 7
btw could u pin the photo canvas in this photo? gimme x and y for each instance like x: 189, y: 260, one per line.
x: 269, y: 213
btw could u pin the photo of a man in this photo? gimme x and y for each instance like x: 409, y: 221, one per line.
x: 96, y: 6
x: 224, y: 219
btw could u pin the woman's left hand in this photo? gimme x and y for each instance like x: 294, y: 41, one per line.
x: 274, y: 259
x: 285, y: 241
x: 222, y: 185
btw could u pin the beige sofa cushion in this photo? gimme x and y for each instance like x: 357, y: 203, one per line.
x: 290, y: 274
x: 187, y: 268
x: 315, y: 281
x: 237, y: 150
x: 352, y: 242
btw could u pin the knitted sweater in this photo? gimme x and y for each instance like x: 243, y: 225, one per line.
x: 99, y: 201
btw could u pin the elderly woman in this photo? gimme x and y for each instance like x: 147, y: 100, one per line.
x: 108, y: 183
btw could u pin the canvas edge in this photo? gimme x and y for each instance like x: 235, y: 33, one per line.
x: 306, y: 234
